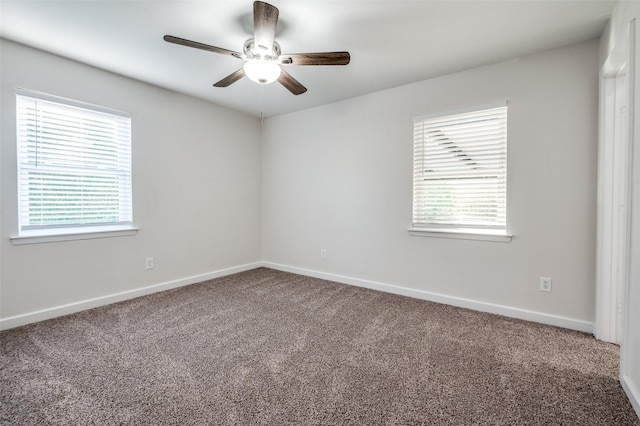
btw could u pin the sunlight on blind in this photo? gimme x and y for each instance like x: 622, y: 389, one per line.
x: 74, y: 167
x: 460, y: 170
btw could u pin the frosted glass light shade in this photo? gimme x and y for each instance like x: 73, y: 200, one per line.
x: 261, y: 71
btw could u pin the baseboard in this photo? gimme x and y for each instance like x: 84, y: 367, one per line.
x: 58, y: 311
x: 633, y: 393
x: 539, y: 317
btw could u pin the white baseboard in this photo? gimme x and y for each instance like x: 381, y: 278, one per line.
x: 58, y: 311
x: 633, y: 393
x: 539, y: 317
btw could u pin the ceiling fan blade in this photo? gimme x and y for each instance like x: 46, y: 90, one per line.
x: 265, y: 21
x: 231, y: 78
x: 320, y: 58
x: 197, y: 45
x: 291, y: 83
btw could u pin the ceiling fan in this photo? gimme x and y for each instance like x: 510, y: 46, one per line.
x: 263, y: 55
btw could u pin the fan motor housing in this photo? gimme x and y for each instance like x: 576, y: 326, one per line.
x: 259, y: 52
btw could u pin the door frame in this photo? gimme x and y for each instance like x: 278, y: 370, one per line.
x: 614, y: 191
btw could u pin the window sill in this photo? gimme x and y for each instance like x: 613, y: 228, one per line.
x: 462, y: 234
x: 76, y: 234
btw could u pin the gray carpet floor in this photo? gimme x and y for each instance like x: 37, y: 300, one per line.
x: 273, y: 348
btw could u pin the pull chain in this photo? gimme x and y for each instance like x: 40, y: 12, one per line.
x: 261, y: 105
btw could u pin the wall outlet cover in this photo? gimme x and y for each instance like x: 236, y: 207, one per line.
x: 545, y: 284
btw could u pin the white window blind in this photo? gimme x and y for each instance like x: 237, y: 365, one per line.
x: 74, y: 166
x: 460, y: 170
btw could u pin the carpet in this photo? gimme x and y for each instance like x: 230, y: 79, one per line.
x: 265, y: 347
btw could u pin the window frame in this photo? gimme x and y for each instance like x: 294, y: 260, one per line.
x: 43, y: 233
x: 459, y: 231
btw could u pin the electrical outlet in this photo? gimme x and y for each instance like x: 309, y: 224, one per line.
x: 323, y: 253
x: 148, y: 263
x: 545, y: 284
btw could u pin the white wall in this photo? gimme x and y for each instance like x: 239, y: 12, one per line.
x: 624, y: 13
x: 339, y: 177
x: 196, y: 191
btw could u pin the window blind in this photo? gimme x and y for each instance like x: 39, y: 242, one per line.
x: 460, y: 170
x: 74, y: 165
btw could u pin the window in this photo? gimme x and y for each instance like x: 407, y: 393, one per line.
x: 460, y: 171
x: 74, y: 167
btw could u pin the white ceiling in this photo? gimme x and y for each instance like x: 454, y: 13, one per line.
x: 391, y: 42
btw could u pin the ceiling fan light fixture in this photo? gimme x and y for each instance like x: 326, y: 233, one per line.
x: 262, y: 71
x: 262, y: 53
